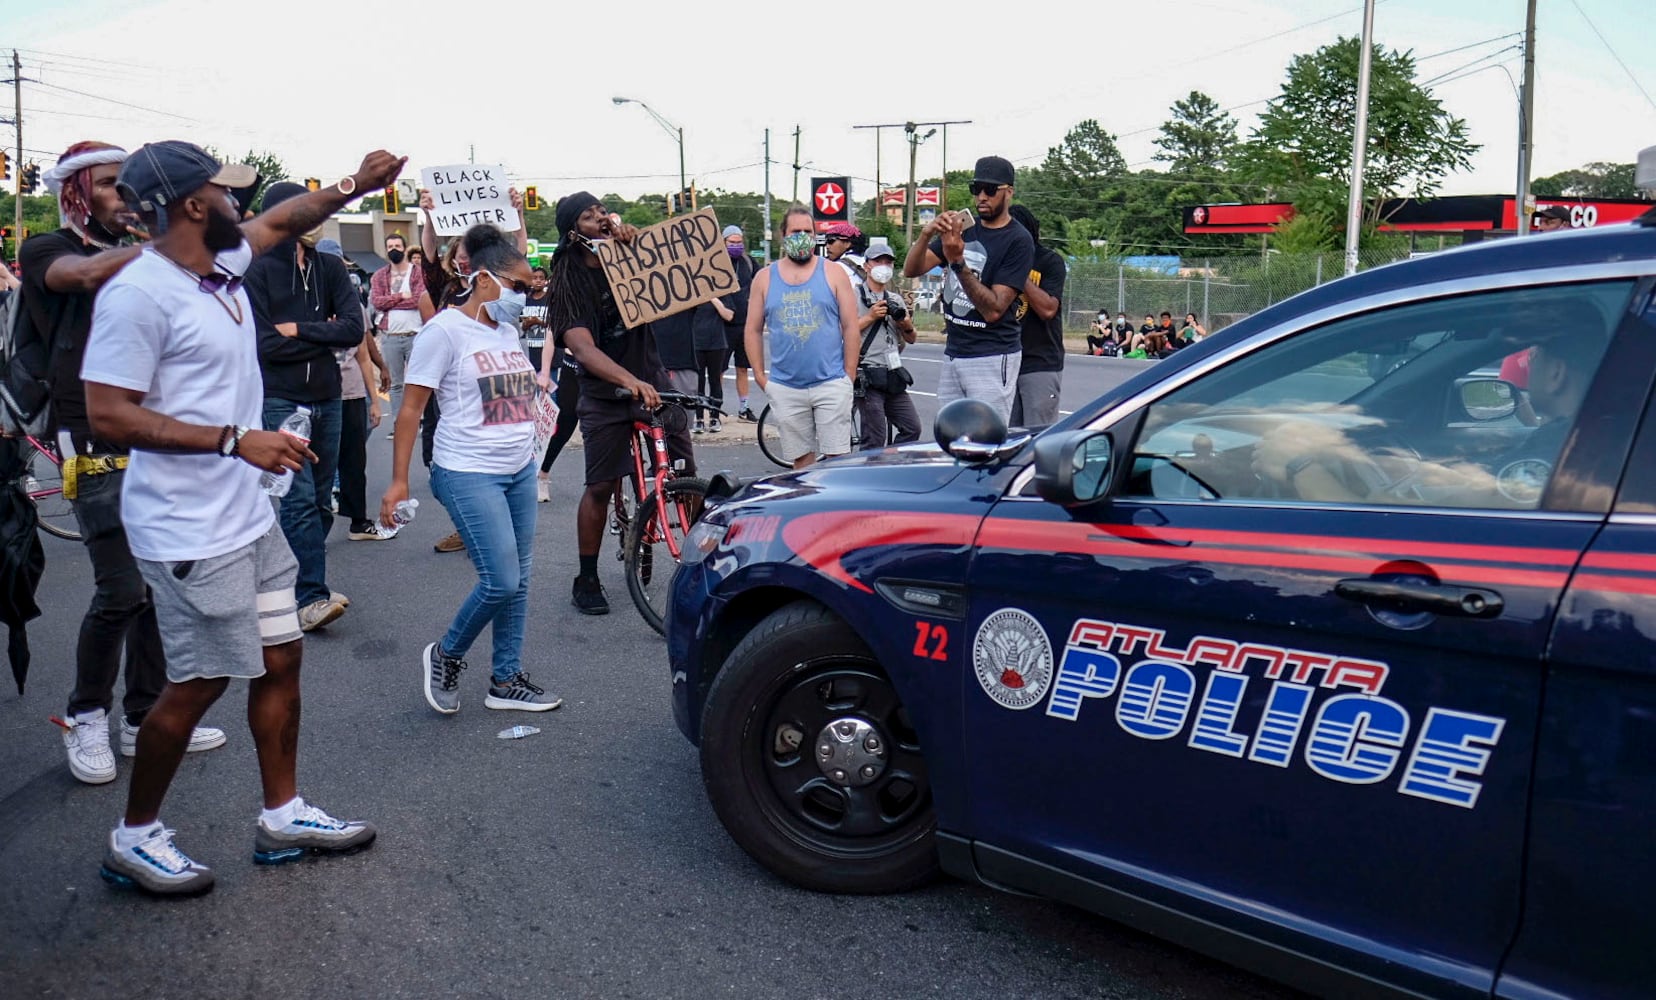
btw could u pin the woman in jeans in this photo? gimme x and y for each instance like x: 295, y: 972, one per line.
x: 482, y: 468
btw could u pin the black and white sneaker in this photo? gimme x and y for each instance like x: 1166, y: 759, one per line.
x: 441, y: 682
x: 520, y: 695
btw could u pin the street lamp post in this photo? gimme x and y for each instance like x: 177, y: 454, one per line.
x: 674, y: 131
x: 914, y: 141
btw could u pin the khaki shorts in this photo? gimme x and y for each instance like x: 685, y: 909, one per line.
x: 812, y: 421
x: 217, y: 615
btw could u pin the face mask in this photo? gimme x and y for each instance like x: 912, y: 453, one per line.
x: 310, y: 239
x: 735, y: 249
x: 798, y: 246
x: 591, y: 244
x: 880, y: 273
x: 506, y: 309
x: 395, y: 256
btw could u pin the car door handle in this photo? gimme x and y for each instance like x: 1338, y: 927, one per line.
x: 1418, y: 595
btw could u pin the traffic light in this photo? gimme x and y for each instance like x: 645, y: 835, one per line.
x: 31, y: 178
x: 313, y: 183
x: 393, y: 203
x: 5, y: 166
x: 531, y: 198
x: 5, y: 232
x: 683, y: 201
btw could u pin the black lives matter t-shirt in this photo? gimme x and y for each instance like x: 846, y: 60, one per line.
x: 64, y: 319
x: 1001, y: 256
x: 1043, y: 339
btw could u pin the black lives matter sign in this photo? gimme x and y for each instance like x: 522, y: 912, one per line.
x: 668, y: 268
x: 466, y: 195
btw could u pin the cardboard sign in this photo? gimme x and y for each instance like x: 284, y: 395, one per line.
x: 668, y: 268
x: 468, y: 194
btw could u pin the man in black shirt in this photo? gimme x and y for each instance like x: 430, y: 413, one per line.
x: 62, y: 272
x: 1040, y: 310
x: 988, y: 264
x: 587, y: 323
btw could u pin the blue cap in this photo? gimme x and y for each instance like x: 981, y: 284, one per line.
x: 161, y: 173
x: 330, y: 246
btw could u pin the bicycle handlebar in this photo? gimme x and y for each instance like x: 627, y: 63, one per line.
x: 684, y: 399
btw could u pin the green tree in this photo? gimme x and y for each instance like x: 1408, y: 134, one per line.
x: 268, y: 164
x: 1595, y: 180
x: 1082, y: 173
x: 1301, y: 147
x: 1198, y: 137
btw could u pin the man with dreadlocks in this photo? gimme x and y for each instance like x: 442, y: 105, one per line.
x: 587, y: 323
x: 63, y: 270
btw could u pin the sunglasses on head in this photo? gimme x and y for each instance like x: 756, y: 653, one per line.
x: 980, y: 188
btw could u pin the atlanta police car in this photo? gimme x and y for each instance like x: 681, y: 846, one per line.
x: 1327, y: 647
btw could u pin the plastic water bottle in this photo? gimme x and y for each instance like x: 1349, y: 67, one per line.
x: 517, y: 732
x: 297, y: 426
x: 404, y: 512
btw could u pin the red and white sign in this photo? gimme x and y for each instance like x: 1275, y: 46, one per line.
x: 1199, y: 215
x: 1583, y: 214
x: 928, y: 196
x: 894, y: 196
x: 830, y: 199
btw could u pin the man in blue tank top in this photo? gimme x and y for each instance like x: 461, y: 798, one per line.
x: 804, y: 314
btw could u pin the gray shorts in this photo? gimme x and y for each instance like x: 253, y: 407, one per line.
x: 1036, y: 404
x: 993, y: 379
x: 812, y: 421
x: 217, y: 614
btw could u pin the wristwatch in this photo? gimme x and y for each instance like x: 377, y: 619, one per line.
x: 957, y: 266
x: 232, y: 444
x: 347, y: 185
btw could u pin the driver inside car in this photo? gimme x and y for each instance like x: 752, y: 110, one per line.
x: 1315, y: 461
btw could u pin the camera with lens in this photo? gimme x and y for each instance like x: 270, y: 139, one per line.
x: 895, y: 309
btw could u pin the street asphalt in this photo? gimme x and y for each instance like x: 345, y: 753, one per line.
x: 580, y: 862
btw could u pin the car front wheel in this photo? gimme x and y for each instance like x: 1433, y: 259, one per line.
x: 811, y: 762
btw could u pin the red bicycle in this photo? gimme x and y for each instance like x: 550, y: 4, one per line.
x: 665, y: 507
x: 41, y: 478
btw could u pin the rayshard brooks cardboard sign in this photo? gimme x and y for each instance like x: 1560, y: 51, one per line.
x: 668, y: 268
x: 467, y: 194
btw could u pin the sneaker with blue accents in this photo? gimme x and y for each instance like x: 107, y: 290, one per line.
x: 311, y: 831
x: 154, y: 865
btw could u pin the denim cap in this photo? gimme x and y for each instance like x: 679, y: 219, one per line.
x: 161, y: 173
x: 330, y: 246
x: 877, y: 249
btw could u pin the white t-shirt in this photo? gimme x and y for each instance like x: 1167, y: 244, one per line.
x: 485, y: 388
x: 154, y: 331
x: 402, y: 320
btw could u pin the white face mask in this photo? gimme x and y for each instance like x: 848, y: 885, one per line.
x: 880, y: 273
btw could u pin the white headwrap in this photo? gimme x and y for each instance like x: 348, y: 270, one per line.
x: 67, y: 168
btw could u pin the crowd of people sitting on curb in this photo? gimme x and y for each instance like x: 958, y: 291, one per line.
x: 1119, y: 338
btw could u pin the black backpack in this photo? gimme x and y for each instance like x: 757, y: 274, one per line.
x: 25, y: 396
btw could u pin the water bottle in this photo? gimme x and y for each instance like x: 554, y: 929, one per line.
x: 404, y: 512
x: 297, y: 426
x: 517, y: 732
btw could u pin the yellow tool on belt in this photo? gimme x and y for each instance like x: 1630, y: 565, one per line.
x: 88, y: 465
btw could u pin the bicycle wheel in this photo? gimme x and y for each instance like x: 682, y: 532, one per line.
x: 43, y: 482
x: 652, y: 553
x: 621, y: 516
x: 770, y: 438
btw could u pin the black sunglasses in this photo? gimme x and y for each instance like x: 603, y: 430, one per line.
x: 211, y: 283
x: 978, y: 187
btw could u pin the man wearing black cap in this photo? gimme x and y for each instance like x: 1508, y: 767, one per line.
x: 1552, y: 218
x: 988, y: 265
x: 172, y: 372
x: 305, y: 310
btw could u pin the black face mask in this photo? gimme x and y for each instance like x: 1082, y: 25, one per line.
x: 396, y: 256
x: 223, y: 232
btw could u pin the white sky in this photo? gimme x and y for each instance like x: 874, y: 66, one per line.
x: 530, y: 83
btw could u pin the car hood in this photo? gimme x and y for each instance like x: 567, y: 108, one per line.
x: 913, y: 469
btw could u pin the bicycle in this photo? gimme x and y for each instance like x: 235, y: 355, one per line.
x: 665, y: 505
x: 41, y: 477
x: 770, y: 438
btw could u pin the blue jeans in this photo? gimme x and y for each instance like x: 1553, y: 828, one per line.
x: 495, y: 515
x: 306, y: 512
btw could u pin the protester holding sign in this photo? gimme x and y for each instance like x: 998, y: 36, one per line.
x: 483, y: 469
x: 587, y: 319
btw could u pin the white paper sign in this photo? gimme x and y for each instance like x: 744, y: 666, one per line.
x: 468, y: 194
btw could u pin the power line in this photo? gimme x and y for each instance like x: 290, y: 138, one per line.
x: 111, y: 100
x: 1607, y: 48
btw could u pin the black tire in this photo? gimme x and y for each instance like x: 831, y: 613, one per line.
x: 650, y: 562
x: 770, y: 439
x: 43, y: 481
x: 801, y: 673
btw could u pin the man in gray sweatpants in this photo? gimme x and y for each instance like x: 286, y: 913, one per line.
x: 988, y: 262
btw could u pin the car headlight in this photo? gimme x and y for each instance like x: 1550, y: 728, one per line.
x: 704, y: 537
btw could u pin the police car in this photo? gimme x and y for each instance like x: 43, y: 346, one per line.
x: 1338, y: 670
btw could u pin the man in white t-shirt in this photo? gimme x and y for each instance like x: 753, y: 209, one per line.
x: 172, y: 372
x: 394, y: 291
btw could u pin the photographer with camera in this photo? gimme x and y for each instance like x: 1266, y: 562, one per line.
x: 885, y: 327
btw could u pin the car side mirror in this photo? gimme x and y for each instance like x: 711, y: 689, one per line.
x: 1072, y: 468
x: 973, y: 432
x: 1488, y: 398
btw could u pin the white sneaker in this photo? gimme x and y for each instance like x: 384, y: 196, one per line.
x: 87, y: 741
x: 201, y: 738
x: 543, y: 489
x: 339, y: 599
x: 319, y: 613
x: 155, y: 865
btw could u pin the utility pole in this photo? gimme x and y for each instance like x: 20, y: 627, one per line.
x: 1359, y: 142
x: 1526, y: 122
x: 17, y: 164
x: 796, y: 165
x: 767, y: 225
x: 912, y: 128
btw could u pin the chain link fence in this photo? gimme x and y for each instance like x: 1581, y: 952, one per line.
x: 1219, y: 290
